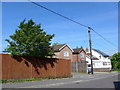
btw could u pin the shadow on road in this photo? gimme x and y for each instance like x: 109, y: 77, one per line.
x: 117, y: 85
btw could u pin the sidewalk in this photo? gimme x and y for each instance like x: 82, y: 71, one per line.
x: 77, y: 77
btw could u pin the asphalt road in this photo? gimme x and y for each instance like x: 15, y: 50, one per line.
x: 107, y: 82
x: 98, y: 80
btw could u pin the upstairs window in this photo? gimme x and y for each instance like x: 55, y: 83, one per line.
x: 66, y: 54
x: 82, y: 55
x: 109, y: 63
x: 104, y: 63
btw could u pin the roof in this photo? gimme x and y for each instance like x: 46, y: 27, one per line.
x: 100, y: 52
x: 58, y: 48
x: 110, y: 57
x: 77, y: 51
x: 93, y: 57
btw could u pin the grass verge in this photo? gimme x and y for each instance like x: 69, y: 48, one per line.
x: 33, y: 79
x: 115, y: 70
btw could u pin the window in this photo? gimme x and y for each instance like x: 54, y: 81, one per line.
x: 82, y: 55
x: 109, y: 63
x: 66, y: 54
x: 104, y: 63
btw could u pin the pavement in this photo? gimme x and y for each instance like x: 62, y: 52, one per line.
x: 76, y: 79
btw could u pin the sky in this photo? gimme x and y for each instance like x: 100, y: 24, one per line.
x: 101, y: 16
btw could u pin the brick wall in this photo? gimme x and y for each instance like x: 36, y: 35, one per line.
x: 101, y: 69
x: 61, y: 53
x: 77, y: 57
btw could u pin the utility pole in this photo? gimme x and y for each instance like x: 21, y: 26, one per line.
x: 90, y: 45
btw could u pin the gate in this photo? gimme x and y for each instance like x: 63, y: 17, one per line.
x: 80, y: 66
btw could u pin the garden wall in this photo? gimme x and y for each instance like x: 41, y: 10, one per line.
x: 17, y: 67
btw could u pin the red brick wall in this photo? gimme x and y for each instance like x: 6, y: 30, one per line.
x: 61, y: 53
x: 30, y: 67
x: 101, y: 70
x: 77, y: 57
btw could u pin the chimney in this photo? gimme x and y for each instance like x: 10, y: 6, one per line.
x: 86, y: 50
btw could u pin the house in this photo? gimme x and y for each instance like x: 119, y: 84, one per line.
x: 101, y: 61
x: 79, y: 54
x: 62, y: 51
x: 79, y: 63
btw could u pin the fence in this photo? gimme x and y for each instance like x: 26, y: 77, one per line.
x: 80, y: 66
x: 17, y: 67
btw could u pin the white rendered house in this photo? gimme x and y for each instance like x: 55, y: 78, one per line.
x: 101, y: 62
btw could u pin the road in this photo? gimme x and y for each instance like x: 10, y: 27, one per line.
x: 107, y: 82
x: 98, y: 80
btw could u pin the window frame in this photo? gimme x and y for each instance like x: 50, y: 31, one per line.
x: 66, y: 54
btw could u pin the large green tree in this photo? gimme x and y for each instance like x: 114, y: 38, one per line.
x: 116, y: 60
x: 30, y: 40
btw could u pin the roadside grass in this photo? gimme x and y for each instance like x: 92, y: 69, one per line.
x: 83, y: 72
x: 18, y: 81
x: 33, y: 79
x: 115, y: 70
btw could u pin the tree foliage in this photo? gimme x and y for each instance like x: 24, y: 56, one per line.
x: 79, y: 47
x: 56, y: 43
x: 30, y: 40
x: 116, y: 60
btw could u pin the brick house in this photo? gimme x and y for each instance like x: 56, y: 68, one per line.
x: 78, y: 54
x: 62, y: 51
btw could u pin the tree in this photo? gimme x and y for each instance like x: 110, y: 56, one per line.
x: 56, y: 43
x: 116, y: 60
x: 78, y: 47
x: 30, y: 40
x: 81, y: 47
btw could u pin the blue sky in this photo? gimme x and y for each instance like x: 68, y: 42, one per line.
x: 101, y: 16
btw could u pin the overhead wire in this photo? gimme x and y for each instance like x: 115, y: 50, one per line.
x: 103, y: 37
x: 102, y: 47
x: 58, y: 14
x: 72, y: 21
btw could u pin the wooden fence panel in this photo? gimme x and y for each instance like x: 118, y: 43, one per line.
x: 16, y: 67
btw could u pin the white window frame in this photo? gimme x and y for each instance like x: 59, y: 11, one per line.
x: 104, y: 63
x: 82, y: 55
x: 66, y: 54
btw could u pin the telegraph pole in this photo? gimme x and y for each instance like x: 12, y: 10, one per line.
x: 90, y: 45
